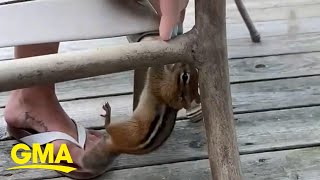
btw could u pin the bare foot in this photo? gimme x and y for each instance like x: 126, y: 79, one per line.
x: 38, y: 109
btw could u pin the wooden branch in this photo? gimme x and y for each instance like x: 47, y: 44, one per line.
x: 211, y: 58
x: 54, y: 68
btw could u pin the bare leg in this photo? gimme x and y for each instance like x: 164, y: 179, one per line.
x: 38, y: 108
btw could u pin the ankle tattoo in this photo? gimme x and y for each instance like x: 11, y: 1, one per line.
x: 34, y: 122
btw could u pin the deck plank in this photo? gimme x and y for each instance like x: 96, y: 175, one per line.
x: 279, y: 37
x: 261, y: 4
x: 246, y: 97
x: 301, y: 164
x: 241, y: 70
x: 257, y: 132
x: 275, y: 13
x: 292, y: 27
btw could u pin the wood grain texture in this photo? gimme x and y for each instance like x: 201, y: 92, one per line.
x: 254, y: 34
x: 211, y: 57
x: 275, y: 12
x: 277, y: 45
x: 300, y: 164
x: 55, y: 68
x: 275, y: 94
x: 290, y: 37
x: 246, y: 97
x: 261, y: 4
x: 247, y: 69
x: 256, y: 132
x: 274, y: 67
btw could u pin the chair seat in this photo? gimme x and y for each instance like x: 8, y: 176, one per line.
x: 43, y: 21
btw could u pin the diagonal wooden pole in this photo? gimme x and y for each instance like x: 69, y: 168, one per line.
x: 210, y: 54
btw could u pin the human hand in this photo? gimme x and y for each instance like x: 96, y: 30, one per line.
x: 172, y: 13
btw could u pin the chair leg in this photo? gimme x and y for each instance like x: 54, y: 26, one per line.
x: 139, y: 78
x: 218, y: 119
x: 255, y: 36
x: 194, y: 113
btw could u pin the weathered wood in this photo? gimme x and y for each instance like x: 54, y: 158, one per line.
x: 210, y: 55
x: 257, y: 132
x: 258, y: 15
x: 292, y: 26
x: 254, y: 34
x: 276, y: 10
x: 69, y: 66
x: 237, y: 48
x: 301, y: 164
x: 69, y: 46
x: 241, y: 70
x: 247, y: 97
x: 296, y: 33
x: 104, y: 85
x: 274, y: 67
x: 261, y: 4
x: 275, y: 46
x: 234, y: 31
x: 277, y: 94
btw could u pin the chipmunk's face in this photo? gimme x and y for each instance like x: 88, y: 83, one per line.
x: 183, y: 80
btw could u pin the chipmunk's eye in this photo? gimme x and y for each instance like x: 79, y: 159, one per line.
x: 185, y: 78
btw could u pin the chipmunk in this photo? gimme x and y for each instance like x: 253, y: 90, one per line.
x: 167, y: 90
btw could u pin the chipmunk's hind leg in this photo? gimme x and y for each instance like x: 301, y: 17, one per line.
x: 107, y: 116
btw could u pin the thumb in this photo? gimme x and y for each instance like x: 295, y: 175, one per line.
x: 170, y: 16
x: 167, y: 24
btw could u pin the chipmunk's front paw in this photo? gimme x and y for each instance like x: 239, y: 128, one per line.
x: 107, y: 113
x: 107, y: 110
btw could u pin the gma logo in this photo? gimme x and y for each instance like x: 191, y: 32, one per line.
x: 41, y: 158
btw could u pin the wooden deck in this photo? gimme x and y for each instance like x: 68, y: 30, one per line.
x: 275, y: 91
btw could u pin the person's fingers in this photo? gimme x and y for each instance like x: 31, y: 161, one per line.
x: 170, y: 15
